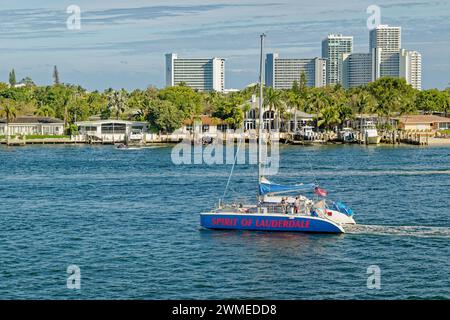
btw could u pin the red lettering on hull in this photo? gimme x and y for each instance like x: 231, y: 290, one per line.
x: 282, y: 224
x: 226, y: 222
x: 262, y: 223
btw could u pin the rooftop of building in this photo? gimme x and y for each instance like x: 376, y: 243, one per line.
x: 32, y: 120
x: 338, y: 35
x: 423, y: 118
x: 104, y: 121
x: 386, y: 26
x: 205, y: 120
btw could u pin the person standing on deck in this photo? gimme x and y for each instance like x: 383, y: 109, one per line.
x: 297, y: 205
x: 284, y: 205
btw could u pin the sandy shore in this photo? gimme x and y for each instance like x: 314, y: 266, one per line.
x: 439, y: 141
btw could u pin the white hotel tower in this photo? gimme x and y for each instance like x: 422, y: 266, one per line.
x: 411, y: 68
x: 281, y: 73
x: 389, y: 60
x: 334, y: 46
x: 385, y: 44
x: 385, y: 59
x: 199, y: 74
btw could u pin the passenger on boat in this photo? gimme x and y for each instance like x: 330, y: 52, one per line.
x: 297, y: 205
x: 284, y: 205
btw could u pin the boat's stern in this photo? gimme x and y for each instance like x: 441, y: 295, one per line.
x: 339, y: 217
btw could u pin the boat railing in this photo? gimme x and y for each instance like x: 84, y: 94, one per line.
x: 265, y: 209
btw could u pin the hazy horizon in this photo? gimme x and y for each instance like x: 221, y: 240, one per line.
x: 122, y: 45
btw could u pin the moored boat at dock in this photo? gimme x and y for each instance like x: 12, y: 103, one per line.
x: 370, y: 133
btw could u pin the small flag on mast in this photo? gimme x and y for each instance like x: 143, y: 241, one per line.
x: 320, y: 192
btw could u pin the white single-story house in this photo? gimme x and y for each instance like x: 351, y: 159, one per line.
x: 111, y: 130
x: 425, y: 122
x: 32, y: 125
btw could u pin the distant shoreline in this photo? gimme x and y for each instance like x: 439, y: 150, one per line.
x: 431, y: 142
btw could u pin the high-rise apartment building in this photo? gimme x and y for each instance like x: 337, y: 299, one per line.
x: 199, y: 74
x: 385, y: 44
x: 411, y: 68
x: 356, y: 69
x: 281, y: 73
x: 333, y: 47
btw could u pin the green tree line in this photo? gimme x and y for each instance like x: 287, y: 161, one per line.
x: 166, y: 109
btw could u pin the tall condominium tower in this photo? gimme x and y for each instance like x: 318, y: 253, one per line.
x: 411, y: 68
x: 333, y: 47
x: 385, y: 44
x: 356, y: 69
x: 199, y: 74
x: 281, y: 73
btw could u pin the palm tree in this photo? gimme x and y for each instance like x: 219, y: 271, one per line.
x: 363, y: 102
x: 297, y: 102
x: 45, y: 111
x: 317, y: 102
x: 65, y: 102
x: 274, y: 101
x: 117, y: 103
x: 329, y: 117
x: 10, y: 113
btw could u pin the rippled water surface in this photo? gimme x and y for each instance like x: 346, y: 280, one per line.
x: 130, y: 220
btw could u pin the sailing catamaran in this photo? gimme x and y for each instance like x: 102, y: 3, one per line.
x: 273, y: 212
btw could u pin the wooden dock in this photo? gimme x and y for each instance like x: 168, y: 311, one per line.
x: 387, y: 137
x: 23, y: 141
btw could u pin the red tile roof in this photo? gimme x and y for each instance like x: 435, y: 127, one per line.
x: 426, y: 118
x: 205, y: 120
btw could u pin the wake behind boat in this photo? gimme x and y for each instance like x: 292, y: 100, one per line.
x: 122, y: 146
x: 273, y: 212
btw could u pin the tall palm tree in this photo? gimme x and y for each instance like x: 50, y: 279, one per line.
x: 363, y: 102
x: 10, y: 113
x: 65, y: 101
x: 117, y: 103
x: 297, y: 102
x: 317, y: 102
x: 274, y: 101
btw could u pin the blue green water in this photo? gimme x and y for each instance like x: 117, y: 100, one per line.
x: 130, y: 221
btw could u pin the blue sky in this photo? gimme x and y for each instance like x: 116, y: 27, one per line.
x: 122, y: 43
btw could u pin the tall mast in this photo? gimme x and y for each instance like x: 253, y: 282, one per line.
x: 261, y: 124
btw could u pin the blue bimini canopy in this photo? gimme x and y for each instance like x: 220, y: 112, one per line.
x: 266, y: 187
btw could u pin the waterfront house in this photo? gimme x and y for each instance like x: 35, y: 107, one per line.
x: 299, y: 119
x: 292, y: 122
x: 32, y: 125
x: 110, y: 131
x: 425, y: 122
x: 203, y: 125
